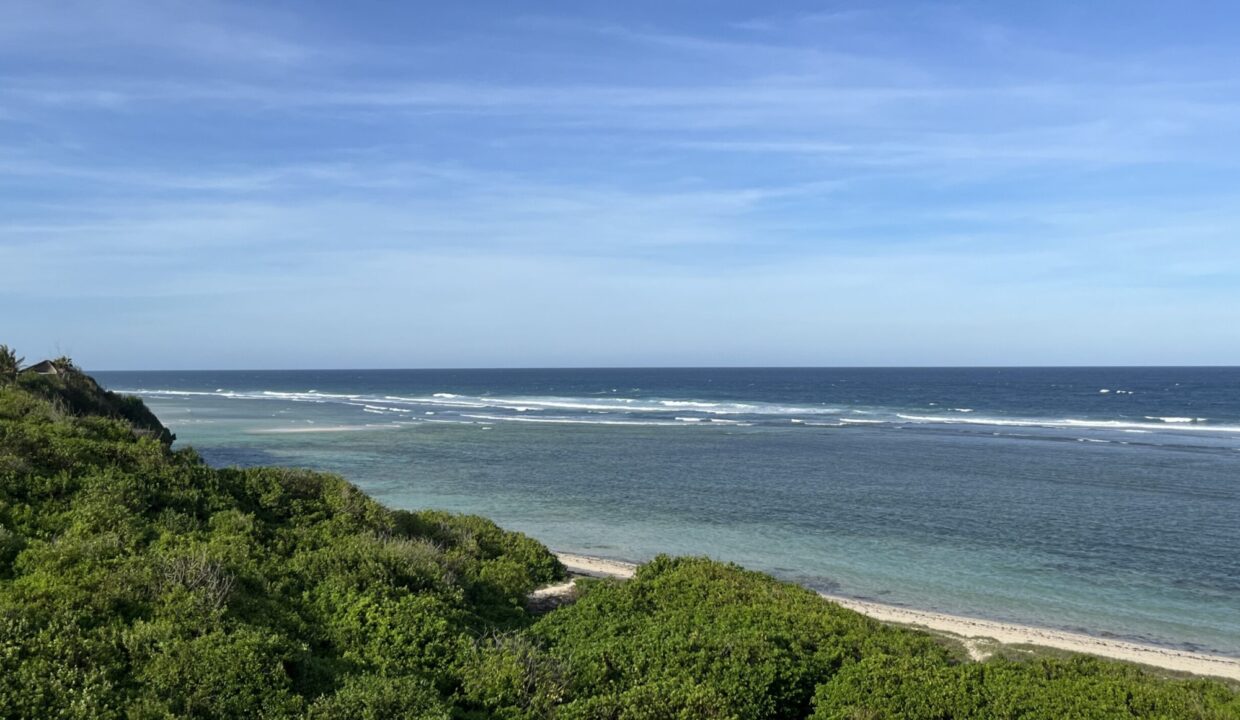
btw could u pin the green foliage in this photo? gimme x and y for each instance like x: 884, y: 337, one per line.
x: 511, y: 677
x: 238, y: 672
x: 137, y: 582
x: 374, y: 697
x: 758, y: 645
x: 679, y: 699
x: 884, y: 687
x: 9, y: 364
x: 74, y: 392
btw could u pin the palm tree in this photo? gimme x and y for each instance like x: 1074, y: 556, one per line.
x: 9, y: 363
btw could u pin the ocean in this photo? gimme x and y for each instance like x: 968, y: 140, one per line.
x: 1100, y: 500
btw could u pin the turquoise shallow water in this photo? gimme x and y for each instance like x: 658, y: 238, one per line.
x: 1102, y: 500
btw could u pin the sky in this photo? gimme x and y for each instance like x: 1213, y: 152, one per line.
x: 494, y: 184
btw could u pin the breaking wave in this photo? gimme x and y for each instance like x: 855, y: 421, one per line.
x: 447, y: 407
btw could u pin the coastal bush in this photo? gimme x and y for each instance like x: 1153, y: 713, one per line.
x: 9, y: 364
x: 221, y: 673
x: 135, y: 581
x: 885, y: 687
x: 758, y: 646
x: 74, y: 392
x: 375, y: 697
x: 511, y: 677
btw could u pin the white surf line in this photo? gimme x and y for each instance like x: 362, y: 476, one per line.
x: 973, y: 628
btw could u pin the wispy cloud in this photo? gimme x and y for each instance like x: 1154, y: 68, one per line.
x: 203, y: 32
x: 881, y: 162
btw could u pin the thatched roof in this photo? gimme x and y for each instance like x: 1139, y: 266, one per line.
x: 46, y: 367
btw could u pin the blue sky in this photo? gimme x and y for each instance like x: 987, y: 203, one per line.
x: 298, y: 184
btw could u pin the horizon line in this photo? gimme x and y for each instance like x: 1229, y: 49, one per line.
x: 676, y: 367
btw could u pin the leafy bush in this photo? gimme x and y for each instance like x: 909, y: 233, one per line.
x: 887, y: 687
x: 758, y: 646
x: 135, y: 581
x: 511, y: 677
x: 75, y: 392
x: 373, y: 697
x: 9, y: 364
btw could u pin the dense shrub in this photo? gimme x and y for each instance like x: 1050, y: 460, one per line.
x: 511, y: 677
x: 374, y: 697
x: 77, y: 393
x: 757, y: 645
x: 886, y: 687
x: 135, y: 581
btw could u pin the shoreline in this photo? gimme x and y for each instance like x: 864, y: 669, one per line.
x: 970, y: 631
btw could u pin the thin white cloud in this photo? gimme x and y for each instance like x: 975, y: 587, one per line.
x: 697, y: 183
x: 200, y: 31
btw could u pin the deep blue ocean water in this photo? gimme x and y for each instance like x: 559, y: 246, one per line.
x: 1105, y: 500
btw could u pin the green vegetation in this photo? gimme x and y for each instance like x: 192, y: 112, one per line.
x: 1080, y: 687
x: 9, y: 363
x: 73, y: 392
x: 137, y: 582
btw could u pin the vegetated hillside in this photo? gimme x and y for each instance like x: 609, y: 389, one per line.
x: 137, y: 582
x: 76, y: 393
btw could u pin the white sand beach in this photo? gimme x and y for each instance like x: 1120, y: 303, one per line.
x: 976, y: 634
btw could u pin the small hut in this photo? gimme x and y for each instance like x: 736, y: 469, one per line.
x: 46, y: 367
